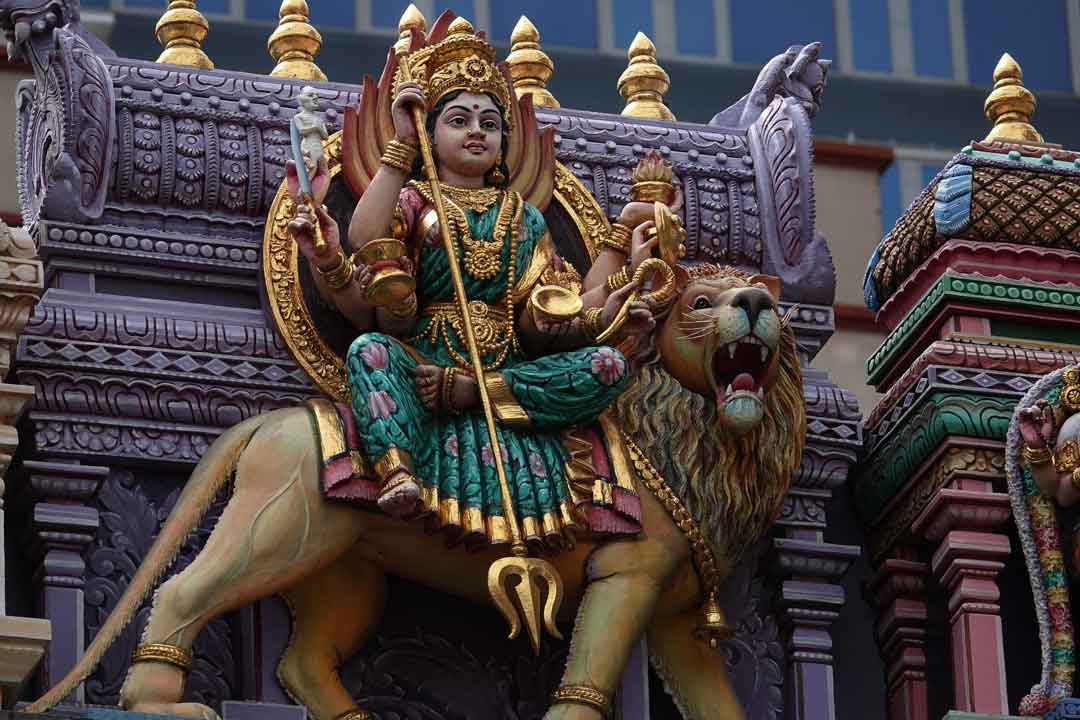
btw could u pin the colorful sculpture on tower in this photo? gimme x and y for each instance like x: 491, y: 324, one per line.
x: 483, y: 397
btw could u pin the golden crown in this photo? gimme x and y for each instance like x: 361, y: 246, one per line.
x: 461, y: 61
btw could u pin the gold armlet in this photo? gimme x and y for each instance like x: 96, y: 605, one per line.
x: 162, y: 653
x: 405, y: 309
x: 618, y: 280
x: 593, y: 322
x: 1067, y: 457
x: 1036, y: 456
x: 1075, y: 477
x: 583, y: 695
x: 340, y: 275
x: 619, y: 238
x: 398, y: 156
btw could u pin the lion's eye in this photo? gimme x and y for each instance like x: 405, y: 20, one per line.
x: 702, y: 303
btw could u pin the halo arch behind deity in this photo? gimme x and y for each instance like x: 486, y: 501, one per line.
x: 297, y: 311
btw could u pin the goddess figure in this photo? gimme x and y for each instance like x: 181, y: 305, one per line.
x: 415, y: 399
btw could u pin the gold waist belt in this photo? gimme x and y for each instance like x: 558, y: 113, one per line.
x: 493, y: 327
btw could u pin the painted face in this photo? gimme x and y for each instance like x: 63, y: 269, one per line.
x: 308, y: 99
x: 721, y: 341
x: 468, y: 135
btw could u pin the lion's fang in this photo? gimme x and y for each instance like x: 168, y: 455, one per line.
x: 764, y: 353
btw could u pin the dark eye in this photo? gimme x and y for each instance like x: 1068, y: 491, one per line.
x: 702, y: 303
x: 490, y: 126
x: 457, y: 121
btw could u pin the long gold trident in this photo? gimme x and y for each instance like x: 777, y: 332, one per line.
x: 526, y: 570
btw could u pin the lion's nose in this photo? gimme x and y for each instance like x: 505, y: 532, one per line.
x: 753, y: 300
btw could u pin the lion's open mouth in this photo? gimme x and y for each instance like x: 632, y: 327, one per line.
x: 738, y: 368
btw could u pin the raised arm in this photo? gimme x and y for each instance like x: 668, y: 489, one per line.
x: 374, y: 212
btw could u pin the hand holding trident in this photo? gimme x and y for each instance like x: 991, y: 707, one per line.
x: 527, y: 571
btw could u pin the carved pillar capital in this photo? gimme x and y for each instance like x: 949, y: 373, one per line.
x: 967, y: 557
x: 898, y: 590
x: 808, y: 602
x: 22, y: 280
x: 62, y: 524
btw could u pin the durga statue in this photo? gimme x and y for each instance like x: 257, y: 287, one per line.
x: 415, y: 402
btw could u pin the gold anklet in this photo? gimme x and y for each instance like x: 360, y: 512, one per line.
x: 583, y: 695
x: 163, y: 653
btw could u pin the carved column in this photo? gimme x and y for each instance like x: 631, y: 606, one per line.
x: 809, y: 601
x: 960, y: 521
x: 22, y: 640
x: 898, y: 590
x: 62, y: 524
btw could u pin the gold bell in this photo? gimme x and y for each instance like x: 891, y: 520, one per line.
x: 713, y: 627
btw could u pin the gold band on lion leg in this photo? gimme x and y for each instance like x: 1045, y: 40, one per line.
x: 163, y: 653
x: 583, y: 695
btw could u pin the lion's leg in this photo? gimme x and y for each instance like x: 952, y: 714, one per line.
x: 693, y: 673
x: 334, y: 614
x: 625, y: 581
x: 274, y: 531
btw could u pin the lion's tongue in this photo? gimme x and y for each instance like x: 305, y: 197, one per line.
x: 743, y: 381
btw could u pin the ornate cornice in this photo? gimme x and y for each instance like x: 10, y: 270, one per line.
x: 1015, y: 262
x: 1001, y: 356
x: 958, y: 458
x: 976, y: 290
x: 888, y: 468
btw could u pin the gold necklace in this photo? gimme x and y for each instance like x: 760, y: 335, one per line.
x: 482, y: 260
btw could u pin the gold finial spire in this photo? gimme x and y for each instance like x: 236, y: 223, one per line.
x: 1010, y: 104
x: 412, y: 18
x: 295, y: 42
x: 644, y: 82
x: 181, y: 30
x: 530, y: 67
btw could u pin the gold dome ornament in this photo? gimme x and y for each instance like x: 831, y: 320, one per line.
x: 644, y: 82
x: 1010, y: 104
x: 181, y: 30
x: 294, y: 43
x: 530, y: 67
x: 412, y: 19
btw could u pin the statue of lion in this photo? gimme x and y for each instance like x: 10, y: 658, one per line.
x: 716, y: 408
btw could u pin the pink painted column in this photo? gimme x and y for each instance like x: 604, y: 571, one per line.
x: 898, y: 590
x: 961, y: 521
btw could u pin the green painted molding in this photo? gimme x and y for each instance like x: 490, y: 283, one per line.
x: 889, y: 468
x: 970, y: 288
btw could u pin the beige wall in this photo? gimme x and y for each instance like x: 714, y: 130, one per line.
x: 9, y: 202
x: 849, y: 215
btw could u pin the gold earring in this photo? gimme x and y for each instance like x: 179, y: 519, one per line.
x: 495, y: 174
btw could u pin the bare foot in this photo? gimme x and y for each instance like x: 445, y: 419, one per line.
x: 399, y: 494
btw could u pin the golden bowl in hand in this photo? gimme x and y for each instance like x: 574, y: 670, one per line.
x: 556, y: 303
x: 389, y: 283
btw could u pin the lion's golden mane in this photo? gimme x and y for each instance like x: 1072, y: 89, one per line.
x: 733, y: 486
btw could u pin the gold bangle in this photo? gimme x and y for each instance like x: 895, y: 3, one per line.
x: 593, y: 322
x: 448, y: 390
x: 618, y: 280
x: 340, y: 275
x: 399, y: 156
x: 1036, y: 456
x: 619, y: 238
x: 583, y: 695
x: 163, y: 653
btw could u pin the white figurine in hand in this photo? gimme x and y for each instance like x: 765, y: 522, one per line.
x: 311, y: 127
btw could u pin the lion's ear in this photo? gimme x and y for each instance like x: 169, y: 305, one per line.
x: 771, y: 282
